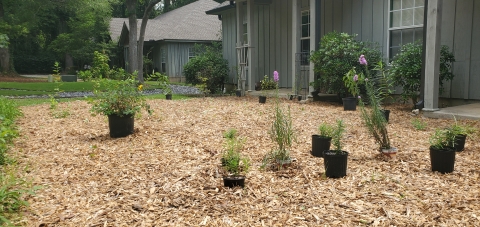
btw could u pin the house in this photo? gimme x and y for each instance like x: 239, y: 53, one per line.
x: 279, y: 34
x: 170, y: 37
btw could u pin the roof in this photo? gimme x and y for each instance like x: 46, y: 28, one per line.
x: 116, y: 25
x: 220, y: 8
x: 188, y: 22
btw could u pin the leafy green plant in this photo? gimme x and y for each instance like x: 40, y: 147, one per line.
x: 419, y: 124
x: 281, y: 131
x: 267, y: 84
x: 118, y: 97
x: 406, y: 70
x: 337, y: 135
x: 373, y: 118
x: 207, y: 67
x: 326, y: 130
x: 163, y: 82
x: 234, y: 163
x: 337, y: 54
x: 458, y: 129
x: 442, y: 138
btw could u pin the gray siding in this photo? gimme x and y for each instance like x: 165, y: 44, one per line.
x: 370, y: 23
x: 461, y: 32
x: 272, y: 41
x: 229, y: 36
x: 177, y: 57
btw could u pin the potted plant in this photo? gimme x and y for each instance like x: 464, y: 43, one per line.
x: 267, y: 85
x: 374, y: 118
x: 282, y: 134
x: 120, y: 100
x: 461, y: 132
x: 316, y: 89
x: 442, y: 152
x: 335, y: 161
x: 235, y: 165
x: 321, y: 141
x: 163, y: 83
x: 352, y: 80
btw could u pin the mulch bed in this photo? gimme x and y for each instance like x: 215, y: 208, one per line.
x: 168, y: 173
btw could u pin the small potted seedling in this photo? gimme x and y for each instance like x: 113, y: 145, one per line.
x: 321, y: 142
x: 234, y: 164
x: 461, y: 132
x: 335, y: 160
x: 442, y: 152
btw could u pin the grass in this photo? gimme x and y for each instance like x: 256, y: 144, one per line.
x: 12, y: 188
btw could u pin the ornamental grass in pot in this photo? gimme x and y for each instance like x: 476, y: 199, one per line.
x: 121, y: 101
x: 234, y: 164
x: 461, y: 132
x: 335, y: 161
x: 442, y: 152
x: 321, y: 141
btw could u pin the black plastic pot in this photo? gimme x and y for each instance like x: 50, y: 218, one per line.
x: 120, y: 126
x: 349, y: 104
x: 291, y: 97
x: 238, y: 93
x: 234, y: 181
x: 335, y: 164
x: 386, y: 114
x: 299, y: 98
x: 460, y: 142
x: 168, y: 96
x: 262, y: 99
x: 320, y: 144
x: 443, y: 160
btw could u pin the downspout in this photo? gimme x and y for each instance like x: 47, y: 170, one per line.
x: 420, y: 104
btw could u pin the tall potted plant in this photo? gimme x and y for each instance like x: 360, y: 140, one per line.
x: 282, y: 134
x: 373, y: 117
x: 321, y: 141
x: 442, y: 152
x: 235, y: 165
x: 335, y: 161
x: 120, y: 100
x: 352, y: 80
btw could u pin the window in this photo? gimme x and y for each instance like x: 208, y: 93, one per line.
x: 406, y: 23
x: 305, y: 37
x: 191, y: 53
x: 163, y: 60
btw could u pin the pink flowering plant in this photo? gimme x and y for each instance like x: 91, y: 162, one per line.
x: 269, y: 84
x: 373, y: 117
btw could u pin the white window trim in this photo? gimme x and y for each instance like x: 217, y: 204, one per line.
x: 397, y: 28
x: 190, y: 51
x: 301, y: 26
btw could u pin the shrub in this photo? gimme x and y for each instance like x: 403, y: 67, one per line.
x: 406, y: 70
x: 208, y: 64
x: 337, y: 54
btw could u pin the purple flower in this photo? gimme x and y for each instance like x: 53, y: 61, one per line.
x: 359, y: 97
x: 362, y: 60
x: 355, y: 78
x: 275, y: 76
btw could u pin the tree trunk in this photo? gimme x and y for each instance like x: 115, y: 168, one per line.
x: 4, y: 60
x: 142, y: 37
x: 132, y: 37
x: 68, y: 62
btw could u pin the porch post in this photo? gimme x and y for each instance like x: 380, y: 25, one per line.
x: 313, y: 38
x: 432, y: 54
x: 295, y: 38
x: 251, y: 51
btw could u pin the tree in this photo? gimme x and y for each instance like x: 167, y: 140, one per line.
x: 135, y: 50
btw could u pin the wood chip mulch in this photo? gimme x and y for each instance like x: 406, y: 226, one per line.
x: 168, y: 173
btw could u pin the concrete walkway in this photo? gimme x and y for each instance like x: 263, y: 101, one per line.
x: 468, y: 111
